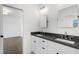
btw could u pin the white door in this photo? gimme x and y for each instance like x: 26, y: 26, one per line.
x: 12, y: 29
x: 12, y: 22
x: 1, y: 42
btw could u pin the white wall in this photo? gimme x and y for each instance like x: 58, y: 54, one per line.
x: 31, y: 23
x: 1, y: 39
x: 1, y: 19
x: 52, y: 16
x: 53, y: 26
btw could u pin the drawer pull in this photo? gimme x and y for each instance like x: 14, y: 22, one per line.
x: 1, y: 36
x: 34, y: 41
x: 43, y: 48
x: 43, y: 41
x: 57, y: 53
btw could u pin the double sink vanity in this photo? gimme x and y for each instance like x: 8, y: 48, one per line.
x: 52, y: 43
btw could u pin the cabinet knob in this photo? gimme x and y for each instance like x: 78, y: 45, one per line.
x: 43, y: 41
x: 34, y: 41
x: 1, y: 36
x: 57, y: 53
x: 43, y: 48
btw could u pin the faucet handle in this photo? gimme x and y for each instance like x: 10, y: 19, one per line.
x: 61, y: 36
x: 65, y: 33
x: 70, y: 37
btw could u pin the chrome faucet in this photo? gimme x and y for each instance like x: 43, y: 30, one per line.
x: 71, y: 37
x: 65, y: 35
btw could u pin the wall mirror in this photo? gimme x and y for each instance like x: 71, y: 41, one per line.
x: 68, y: 17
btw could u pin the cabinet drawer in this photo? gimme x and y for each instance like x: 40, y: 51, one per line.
x: 52, y: 50
x: 33, y: 46
x: 44, y: 50
x: 41, y: 49
x: 62, y: 49
x: 54, y: 45
x: 38, y: 50
x: 44, y: 42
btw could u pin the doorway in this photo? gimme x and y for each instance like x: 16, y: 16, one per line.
x: 12, y: 30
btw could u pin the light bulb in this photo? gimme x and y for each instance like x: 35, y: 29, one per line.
x: 6, y: 11
x: 44, y: 11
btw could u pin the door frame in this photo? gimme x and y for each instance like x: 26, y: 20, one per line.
x: 22, y: 22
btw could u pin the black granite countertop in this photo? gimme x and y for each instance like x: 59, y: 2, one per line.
x: 53, y: 36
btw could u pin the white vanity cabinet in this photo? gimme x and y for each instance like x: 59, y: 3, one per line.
x: 70, y: 50
x: 39, y: 45
x: 43, y: 46
x: 52, y: 50
x: 56, y: 48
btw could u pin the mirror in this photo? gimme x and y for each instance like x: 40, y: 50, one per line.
x: 67, y: 17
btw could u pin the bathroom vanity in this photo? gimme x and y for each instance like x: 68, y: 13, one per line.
x: 51, y: 43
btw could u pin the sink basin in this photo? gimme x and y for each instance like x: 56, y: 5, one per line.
x: 39, y: 35
x: 65, y: 41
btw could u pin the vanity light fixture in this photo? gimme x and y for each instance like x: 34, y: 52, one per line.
x: 43, y: 10
x: 6, y: 11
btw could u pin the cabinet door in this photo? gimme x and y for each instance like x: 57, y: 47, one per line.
x: 55, y: 48
x: 44, y: 46
x: 54, y: 45
x: 38, y: 49
x: 44, y: 50
x: 70, y: 50
x: 39, y: 45
x: 33, y: 44
x: 44, y: 42
x: 52, y: 50
x: 36, y: 45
